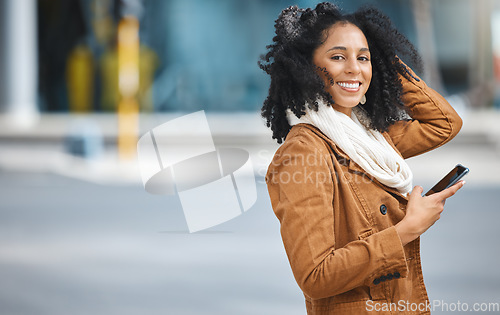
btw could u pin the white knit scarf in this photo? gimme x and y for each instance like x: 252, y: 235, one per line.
x: 367, y: 147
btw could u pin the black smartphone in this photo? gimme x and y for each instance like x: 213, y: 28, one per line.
x: 449, y: 180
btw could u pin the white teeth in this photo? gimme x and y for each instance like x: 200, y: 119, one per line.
x: 349, y: 85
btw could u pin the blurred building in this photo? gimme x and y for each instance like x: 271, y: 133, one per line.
x: 202, y: 54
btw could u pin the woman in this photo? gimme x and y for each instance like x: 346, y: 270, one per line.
x: 350, y: 111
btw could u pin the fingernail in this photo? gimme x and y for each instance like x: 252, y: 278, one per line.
x: 463, y: 182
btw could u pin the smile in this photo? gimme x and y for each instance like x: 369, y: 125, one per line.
x: 351, y: 86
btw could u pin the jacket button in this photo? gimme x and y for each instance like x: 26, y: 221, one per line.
x: 376, y: 281
x: 397, y: 275
x: 389, y: 276
x: 383, y: 209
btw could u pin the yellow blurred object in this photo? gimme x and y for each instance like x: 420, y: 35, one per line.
x: 128, y: 86
x: 128, y: 57
x: 80, y: 79
x: 109, y: 81
x: 128, y: 128
x: 148, y: 64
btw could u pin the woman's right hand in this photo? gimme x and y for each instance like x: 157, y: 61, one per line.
x: 423, y: 212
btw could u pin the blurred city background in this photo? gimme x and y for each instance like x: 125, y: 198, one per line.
x: 82, y: 80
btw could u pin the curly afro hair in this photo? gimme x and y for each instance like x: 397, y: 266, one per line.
x: 294, y: 78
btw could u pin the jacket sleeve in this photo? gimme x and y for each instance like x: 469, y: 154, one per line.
x: 434, y: 122
x: 301, y: 187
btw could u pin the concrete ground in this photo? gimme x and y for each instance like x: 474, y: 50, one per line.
x: 83, y: 237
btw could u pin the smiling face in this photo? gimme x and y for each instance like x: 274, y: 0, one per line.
x: 345, y: 66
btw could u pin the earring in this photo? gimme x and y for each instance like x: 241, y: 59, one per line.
x: 363, y: 100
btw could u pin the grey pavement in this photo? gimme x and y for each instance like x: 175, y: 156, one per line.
x: 72, y: 247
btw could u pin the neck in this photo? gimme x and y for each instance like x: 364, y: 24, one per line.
x: 344, y: 110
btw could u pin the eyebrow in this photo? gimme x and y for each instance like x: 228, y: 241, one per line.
x: 344, y: 48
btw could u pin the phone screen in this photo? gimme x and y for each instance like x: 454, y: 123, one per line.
x: 449, y: 180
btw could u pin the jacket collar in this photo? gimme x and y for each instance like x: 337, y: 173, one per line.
x: 344, y: 159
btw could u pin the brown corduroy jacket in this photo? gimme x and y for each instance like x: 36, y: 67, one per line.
x: 337, y: 222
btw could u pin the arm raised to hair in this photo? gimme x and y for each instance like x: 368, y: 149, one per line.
x: 434, y: 121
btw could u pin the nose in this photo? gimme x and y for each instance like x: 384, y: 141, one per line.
x: 352, y: 66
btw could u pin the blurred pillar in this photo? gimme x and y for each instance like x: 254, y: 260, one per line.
x: 481, y: 68
x: 18, y: 62
x: 128, y: 86
x: 481, y: 75
x: 425, y: 36
x: 127, y: 12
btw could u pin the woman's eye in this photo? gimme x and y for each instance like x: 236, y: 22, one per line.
x: 336, y: 57
x: 363, y: 59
